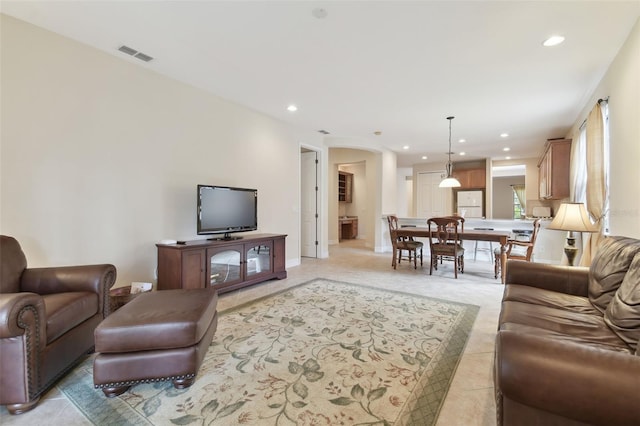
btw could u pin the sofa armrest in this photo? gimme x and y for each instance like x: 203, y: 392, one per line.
x: 564, y: 279
x: 91, y: 278
x: 22, y: 313
x: 575, y: 381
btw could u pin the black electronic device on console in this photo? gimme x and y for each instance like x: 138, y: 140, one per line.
x: 225, y: 210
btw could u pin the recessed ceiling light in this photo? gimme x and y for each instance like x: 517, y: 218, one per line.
x: 504, y: 135
x: 462, y: 140
x: 405, y: 147
x: 506, y: 148
x: 463, y: 153
x: 553, y: 41
x: 507, y: 158
x: 319, y: 13
x: 292, y: 108
x: 424, y: 157
x: 377, y: 133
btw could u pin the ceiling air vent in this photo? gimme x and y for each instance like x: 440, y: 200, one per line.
x: 143, y: 57
x: 135, y: 53
x: 324, y: 132
x: 127, y: 50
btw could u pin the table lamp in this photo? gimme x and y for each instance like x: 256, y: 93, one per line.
x: 572, y: 217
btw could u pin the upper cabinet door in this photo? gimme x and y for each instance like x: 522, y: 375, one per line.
x: 553, y: 173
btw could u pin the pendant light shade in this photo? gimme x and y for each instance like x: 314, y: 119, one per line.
x: 449, y: 181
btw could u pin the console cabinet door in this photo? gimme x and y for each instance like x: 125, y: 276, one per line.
x: 279, y: 257
x: 258, y: 259
x: 193, y: 268
x: 224, y: 267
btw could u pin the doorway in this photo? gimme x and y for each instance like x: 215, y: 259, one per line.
x: 309, y: 216
x: 508, y: 184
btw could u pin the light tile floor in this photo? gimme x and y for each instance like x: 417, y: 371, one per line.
x: 470, y: 400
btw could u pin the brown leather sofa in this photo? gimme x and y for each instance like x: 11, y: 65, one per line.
x: 47, y: 320
x: 567, y: 344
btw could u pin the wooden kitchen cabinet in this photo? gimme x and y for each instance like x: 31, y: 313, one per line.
x: 471, y: 178
x: 345, y: 186
x: 348, y: 227
x: 553, y: 173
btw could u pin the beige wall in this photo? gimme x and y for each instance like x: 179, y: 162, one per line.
x: 621, y: 84
x: 100, y: 158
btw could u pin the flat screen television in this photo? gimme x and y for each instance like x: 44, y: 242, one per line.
x: 225, y: 210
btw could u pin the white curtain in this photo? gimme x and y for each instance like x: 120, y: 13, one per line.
x: 520, y: 193
x: 596, y: 182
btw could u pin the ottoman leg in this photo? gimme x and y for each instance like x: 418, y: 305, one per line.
x: 183, y: 383
x: 113, y: 392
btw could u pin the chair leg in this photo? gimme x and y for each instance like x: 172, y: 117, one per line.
x: 415, y: 259
x: 455, y: 266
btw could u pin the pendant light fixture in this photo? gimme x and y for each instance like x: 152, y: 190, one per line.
x: 449, y: 181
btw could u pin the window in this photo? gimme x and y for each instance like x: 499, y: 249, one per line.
x: 517, y: 208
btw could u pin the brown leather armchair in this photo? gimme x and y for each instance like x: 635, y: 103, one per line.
x: 47, y: 320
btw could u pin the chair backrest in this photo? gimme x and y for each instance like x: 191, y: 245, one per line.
x: 393, y: 227
x: 393, y: 222
x: 532, y: 240
x: 13, y: 262
x: 444, y: 229
x: 526, y: 247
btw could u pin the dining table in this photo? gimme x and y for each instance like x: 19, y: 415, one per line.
x: 467, y: 234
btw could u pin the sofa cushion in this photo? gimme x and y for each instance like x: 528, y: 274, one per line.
x: 66, y: 310
x: 553, y: 299
x: 528, y: 330
x: 569, y: 325
x: 608, y: 268
x: 623, y: 313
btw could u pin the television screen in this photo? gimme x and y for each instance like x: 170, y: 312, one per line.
x: 222, y: 210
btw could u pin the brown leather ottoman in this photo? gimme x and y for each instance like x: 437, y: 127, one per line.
x: 160, y: 335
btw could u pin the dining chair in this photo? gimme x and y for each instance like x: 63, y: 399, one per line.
x: 490, y: 249
x: 517, y: 249
x: 400, y: 244
x: 445, y: 242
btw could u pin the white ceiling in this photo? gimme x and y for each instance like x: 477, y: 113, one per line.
x: 399, y: 67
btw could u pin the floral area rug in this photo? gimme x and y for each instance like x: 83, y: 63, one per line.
x: 321, y: 353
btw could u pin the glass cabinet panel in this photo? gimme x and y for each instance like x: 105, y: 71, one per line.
x: 225, y: 267
x: 259, y: 259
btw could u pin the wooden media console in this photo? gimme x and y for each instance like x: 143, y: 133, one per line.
x: 223, y: 264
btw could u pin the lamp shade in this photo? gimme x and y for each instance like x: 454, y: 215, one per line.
x: 572, y: 217
x: 449, y: 182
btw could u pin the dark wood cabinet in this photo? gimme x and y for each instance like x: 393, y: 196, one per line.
x: 553, y: 171
x: 345, y: 186
x: 348, y: 228
x: 471, y: 178
x: 224, y: 265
